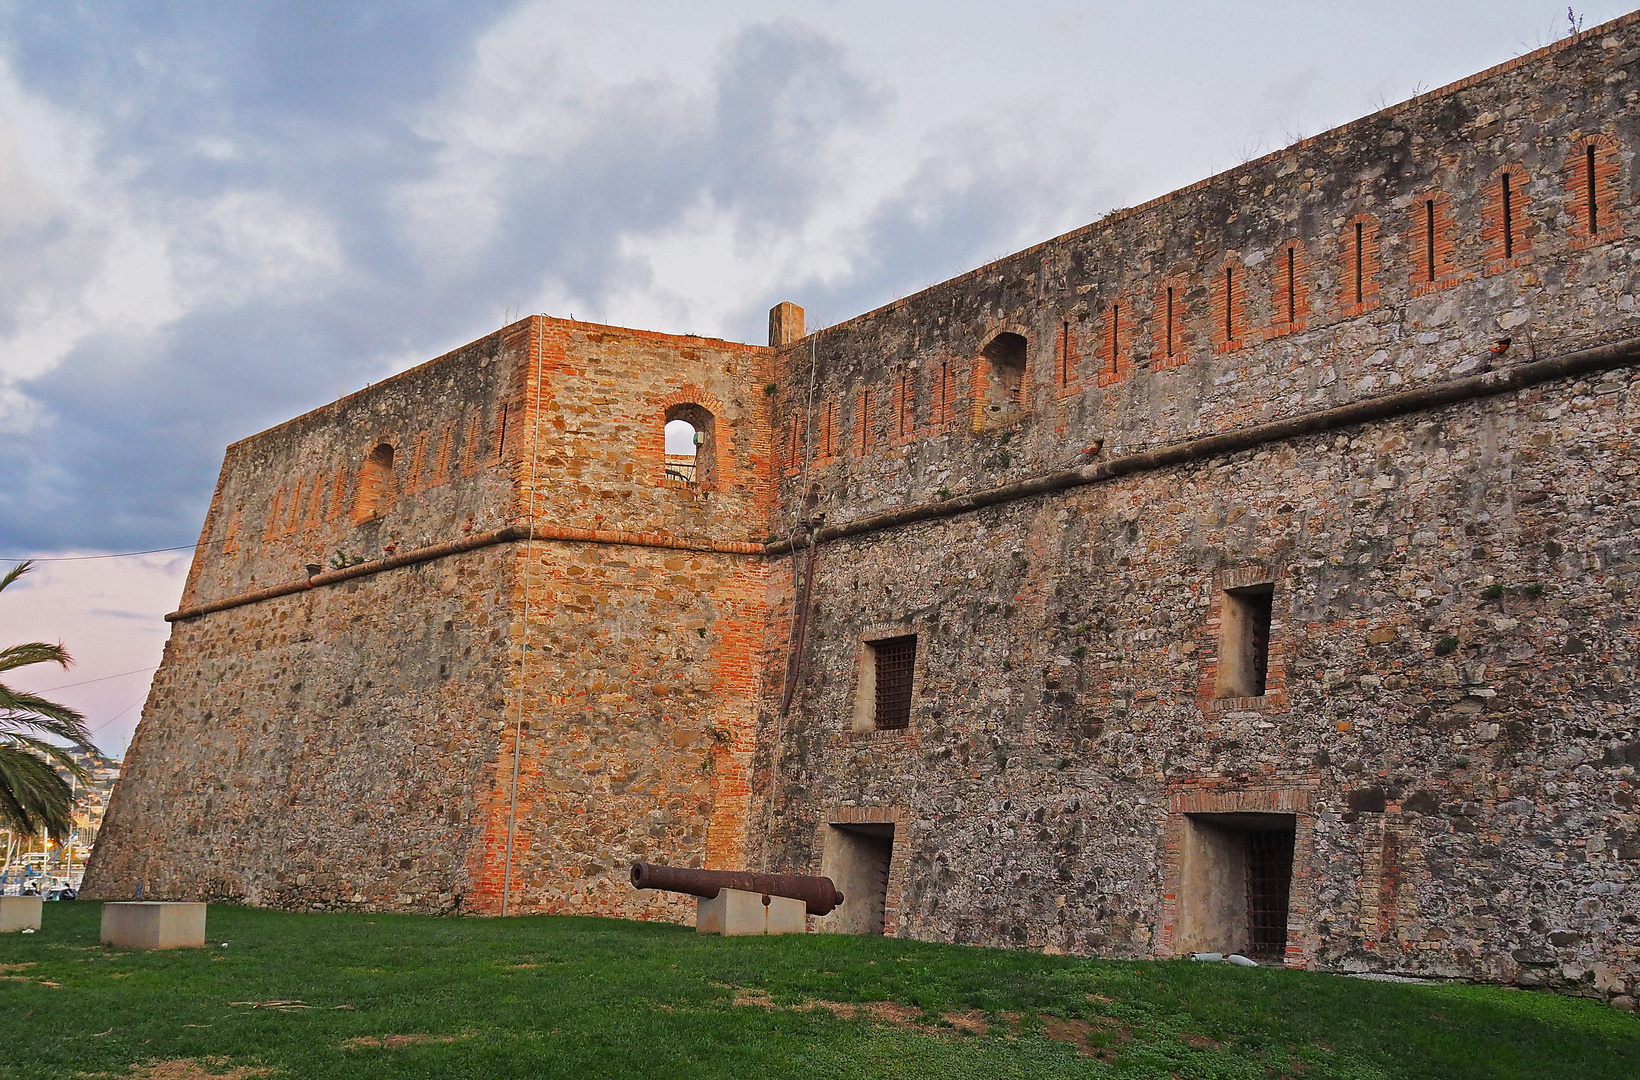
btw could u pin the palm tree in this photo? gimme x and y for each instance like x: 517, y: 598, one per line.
x: 32, y: 793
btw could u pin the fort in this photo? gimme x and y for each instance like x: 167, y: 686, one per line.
x: 1251, y: 570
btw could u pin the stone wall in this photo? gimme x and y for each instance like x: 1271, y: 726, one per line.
x: 1449, y: 718
x: 555, y: 658
x: 347, y: 738
x: 333, y: 746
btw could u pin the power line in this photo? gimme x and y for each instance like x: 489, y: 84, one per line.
x: 88, y: 682
x: 119, y: 714
x: 110, y: 555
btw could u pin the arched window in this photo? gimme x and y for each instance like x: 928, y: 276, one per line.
x: 378, y: 486
x: 1004, y: 383
x: 691, y: 452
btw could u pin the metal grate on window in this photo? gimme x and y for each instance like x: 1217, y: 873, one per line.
x: 896, y: 661
x: 1269, y: 878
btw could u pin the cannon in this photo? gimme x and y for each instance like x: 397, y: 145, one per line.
x: 819, y: 894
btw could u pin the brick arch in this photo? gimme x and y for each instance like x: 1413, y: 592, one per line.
x: 715, y: 461
x: 377, y: 487
x: 690, y: 394
x: 995, y: 329
x: 994, y: 385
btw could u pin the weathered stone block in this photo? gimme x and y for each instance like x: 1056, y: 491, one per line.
x: 152, y: 924
x: 734, y: 913
x: 19, y: 913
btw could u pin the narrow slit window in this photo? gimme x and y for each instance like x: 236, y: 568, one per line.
x: 1115, y: 324
x: 1508, y: 219
x: 1429, y: 236
x: 865, y: 422
x: 1360, y: 259
x: 1292, y: 280
x: 1594, y: 213
x: 1170, y: 320
x: 1229, y: 288
x: 1065, y: 355
x: 1244, y: 641
x: 905, y: 405
x: 501, y: 436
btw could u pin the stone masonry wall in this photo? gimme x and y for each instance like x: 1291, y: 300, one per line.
x: 351, y: 743
x: 1450, y: 711
x: 641, y: 661
x: 334, y: 746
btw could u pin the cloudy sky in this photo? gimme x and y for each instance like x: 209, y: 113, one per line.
x: 216, y: 216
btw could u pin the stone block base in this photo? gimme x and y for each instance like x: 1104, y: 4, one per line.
x: 153, y: 925
x: 19, y: 913
x: 733, y: 913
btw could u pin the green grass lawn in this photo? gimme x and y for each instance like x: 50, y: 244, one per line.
x: 412, y: 996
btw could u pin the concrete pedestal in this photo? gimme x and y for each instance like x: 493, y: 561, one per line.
x: 19, y: 913
x: 147, y: 924
x: 733, y: 913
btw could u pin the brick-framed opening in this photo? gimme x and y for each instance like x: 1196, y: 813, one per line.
x: 1067, y: 359
x: 1593, y: 184
x: 1229, y: 291
x: 1431, y: 241
x: 1506, y: 225
x: 866, y: 407
x: 851, y: 844
x: 1002, y: 378
x: 887, y: 677
x: 1289, y: 289
x: 1115, y: 349
x: 945, y: 393
x: 1359, y: 290
x: 828, y: 442
x: 1247, y: 604
x: 698, y: 469
x: 902, y: 409
x: 378, y: 488
x: 713, y: 441
x: 1169, y: 346
x: 1209, y: 824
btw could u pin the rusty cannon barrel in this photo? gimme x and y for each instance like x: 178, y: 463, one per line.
x: 819, y: 894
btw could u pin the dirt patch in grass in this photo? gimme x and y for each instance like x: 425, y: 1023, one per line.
x: 1200, y: 1042
x: 6, y: 969
x: 393, y: 1042
x: 972, y: 1022
x: 210, y: 1068
x: 892, y: 1013
x: 1099, y: 1038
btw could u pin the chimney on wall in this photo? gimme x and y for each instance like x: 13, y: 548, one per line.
x: 785, y: 324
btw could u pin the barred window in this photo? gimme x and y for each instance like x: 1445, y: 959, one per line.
x: 887, y: 668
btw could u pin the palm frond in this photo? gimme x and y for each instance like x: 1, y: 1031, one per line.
x: 34, y: 652
x: 20, y: 708
x: 60, y: 755
x: 32, y: 795
x: 16, y: 572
